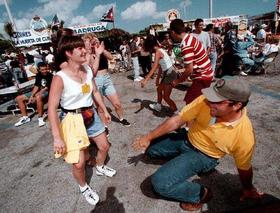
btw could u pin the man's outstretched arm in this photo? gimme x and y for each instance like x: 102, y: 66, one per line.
x: 142, y: 143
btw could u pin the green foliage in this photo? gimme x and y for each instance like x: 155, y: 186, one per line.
x: 8, y: 27
x: 5, y: 45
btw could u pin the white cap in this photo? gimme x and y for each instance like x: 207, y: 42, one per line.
x: 263, y: 26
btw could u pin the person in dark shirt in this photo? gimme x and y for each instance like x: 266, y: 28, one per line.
x: 39, y: 93
x: 228, y: 58
x: 18, y: 71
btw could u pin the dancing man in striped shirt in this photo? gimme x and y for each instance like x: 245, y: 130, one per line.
x: 197, y: 64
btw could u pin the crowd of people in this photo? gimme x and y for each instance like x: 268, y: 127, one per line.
x: 214, y: 122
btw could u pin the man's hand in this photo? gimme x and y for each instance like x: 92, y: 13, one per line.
x: 99, y: 49
x: 143, y: 83
x: 107, y: 116
x: 252, y: 193
x: 59, y: 146
x: 31, y: 100
x: 175, y: 83
x: 141, y: 143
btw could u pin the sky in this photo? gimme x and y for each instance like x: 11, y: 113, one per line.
x: 130, y: 15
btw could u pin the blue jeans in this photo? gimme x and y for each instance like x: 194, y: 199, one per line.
x: 213, y: 59
x: 136, y: 68
x: 170, y: 180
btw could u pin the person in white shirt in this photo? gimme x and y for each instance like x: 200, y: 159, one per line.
x: 50, y: 58
x: 166, y: 72
x: 270, y: 47
x: 261, y: 34
x: 73, y: 88
x: 201, y: 35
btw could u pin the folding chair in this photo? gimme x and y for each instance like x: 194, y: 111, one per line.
x: 270, y: 59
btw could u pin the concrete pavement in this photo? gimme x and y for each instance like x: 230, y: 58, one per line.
x: 31, y: 180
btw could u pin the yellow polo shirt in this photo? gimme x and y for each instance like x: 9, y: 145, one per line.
x: 218, y: 139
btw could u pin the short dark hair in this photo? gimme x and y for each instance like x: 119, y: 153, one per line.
x: 229, y: 24
x: 244, y: 104
x: 178, y: 26
x: 209, y: 27
x: 68, y: 43
x: 42, y: 64
x: 197, y: 21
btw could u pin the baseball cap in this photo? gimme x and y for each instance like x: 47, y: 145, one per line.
x: 234, y: 89
x: 263, y: 26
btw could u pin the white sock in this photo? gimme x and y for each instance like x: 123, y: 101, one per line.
x: 83, y: 188
x: 99, y: 167
x: 121, y: 119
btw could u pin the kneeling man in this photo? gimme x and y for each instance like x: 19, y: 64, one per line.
x: 219, y: 125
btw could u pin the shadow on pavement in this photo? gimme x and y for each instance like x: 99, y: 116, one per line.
x: 90, y: 165
x: 110, y: 204
x: 144, y: 104
x: 182, y: 87
x: 130, y: 77
x: 226, y: 190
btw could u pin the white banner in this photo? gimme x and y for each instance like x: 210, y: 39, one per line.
x: 89, y: 28
x: 31, y: 37
x: 28, y: 38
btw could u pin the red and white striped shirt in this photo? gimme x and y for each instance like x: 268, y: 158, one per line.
x: 193, y: 51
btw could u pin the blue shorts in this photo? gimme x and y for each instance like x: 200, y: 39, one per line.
x: 95, y: 129
x: 105, y: 85
x: 45, y: 94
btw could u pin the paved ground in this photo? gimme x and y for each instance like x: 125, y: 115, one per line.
x: 31, y: 180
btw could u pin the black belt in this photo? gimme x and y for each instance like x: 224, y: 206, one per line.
x: 79, y: 110
x: 188, y: 143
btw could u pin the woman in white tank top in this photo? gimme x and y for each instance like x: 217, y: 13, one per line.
x: 74, y: 88
x: 166, y: 72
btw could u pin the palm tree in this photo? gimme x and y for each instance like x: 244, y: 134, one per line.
x: 8, y: 27
x: 61, y: 24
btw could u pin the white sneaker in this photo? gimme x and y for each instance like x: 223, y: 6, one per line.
x: 91, y: 196
x: 137, y: 79
x: 243, y: 73
x: 105, y: 170
x: 22, y: 120
x: 156, y: 107
x: 41, y: 121
x: 141, y: 78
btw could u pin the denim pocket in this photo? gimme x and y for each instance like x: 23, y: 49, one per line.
x: 208, y: 163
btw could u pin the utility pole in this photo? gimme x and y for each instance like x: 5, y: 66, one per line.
x: 10, y: 16
x: 210, y: 9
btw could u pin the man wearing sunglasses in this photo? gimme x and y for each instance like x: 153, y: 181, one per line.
x: 219, y: 125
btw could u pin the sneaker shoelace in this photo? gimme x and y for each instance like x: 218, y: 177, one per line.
x: 107, y: 168
x: 88, y: 193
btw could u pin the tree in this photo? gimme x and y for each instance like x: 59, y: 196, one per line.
x: 8, y: 43
x: 8, y: 27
